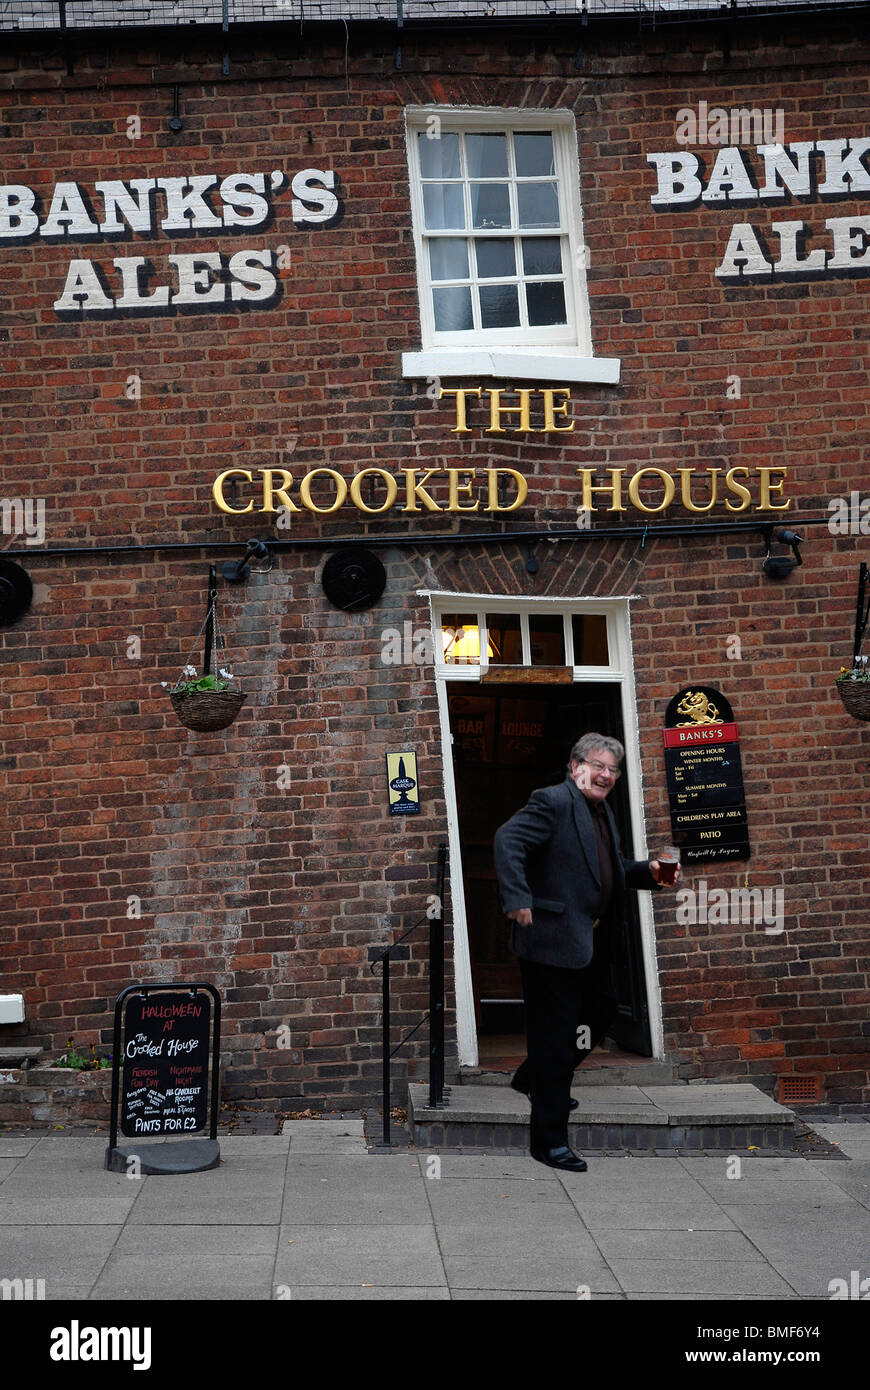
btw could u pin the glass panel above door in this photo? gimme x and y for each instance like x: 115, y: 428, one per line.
x: 590, y: 639
x: 547, y: 639
x: 505, y: 639
x: 460, y: 637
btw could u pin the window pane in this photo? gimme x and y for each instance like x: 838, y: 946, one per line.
x: 546, y: 303
x: 505, y: 639
x: 542, y: 255
x: 495, y: 258
x: 439, y: 156
x: 453, y: 309
x: 538, y: 204
x: 443, y: 206
x: 460, y: 638
x: 487, y: 156
x: 499, y: 306
x: 590, y: 639
x: 547, y: 640
x: 448, y: 258
x: 534, y: 154
x: 491, y: 205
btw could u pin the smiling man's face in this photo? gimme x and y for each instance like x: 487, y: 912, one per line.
x: 596, y: 775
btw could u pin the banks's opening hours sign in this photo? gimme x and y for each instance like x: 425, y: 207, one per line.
x: 705, y: 777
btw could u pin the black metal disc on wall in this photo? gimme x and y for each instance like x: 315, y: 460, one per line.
x: 353, y: 579
x: 16, y: 592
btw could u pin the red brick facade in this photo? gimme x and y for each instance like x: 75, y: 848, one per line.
x: 282, y: 895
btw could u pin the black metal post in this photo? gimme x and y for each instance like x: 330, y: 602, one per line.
x: 116, y: 1070
x: 385, y: 1042
x: 863, y: 612
x: 209, y: 613
x: 436, y: 990
x: 215, y: 1058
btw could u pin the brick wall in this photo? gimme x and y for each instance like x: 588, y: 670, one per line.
x: 281, y: 895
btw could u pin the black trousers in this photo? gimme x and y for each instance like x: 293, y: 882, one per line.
x: 558, y: 1003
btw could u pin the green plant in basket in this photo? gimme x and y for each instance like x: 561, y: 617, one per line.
x: 859, y: 671
x: 191, y: 687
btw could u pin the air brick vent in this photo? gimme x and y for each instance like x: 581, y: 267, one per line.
x: 795, y: 1089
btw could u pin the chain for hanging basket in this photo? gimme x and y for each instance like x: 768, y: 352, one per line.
x: 198, y: 705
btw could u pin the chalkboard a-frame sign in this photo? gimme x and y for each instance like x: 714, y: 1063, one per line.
x: 160, y: 1078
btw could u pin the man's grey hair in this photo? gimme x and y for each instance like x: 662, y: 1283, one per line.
x: 590, y: 743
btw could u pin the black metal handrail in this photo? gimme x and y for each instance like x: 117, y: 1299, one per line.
x: 435, y: 1014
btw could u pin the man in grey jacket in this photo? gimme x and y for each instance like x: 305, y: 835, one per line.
x: 563, y: 881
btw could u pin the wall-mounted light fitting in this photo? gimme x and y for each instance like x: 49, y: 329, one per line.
x: 781, y: 566
x: 237, y: 571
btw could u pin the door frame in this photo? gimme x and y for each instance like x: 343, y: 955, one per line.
x: 619, y: 671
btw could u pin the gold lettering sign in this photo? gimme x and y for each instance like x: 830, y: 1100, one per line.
x: 523, y: 411
x: 421, y: 491
x: 665, y: 486
x: 418, y: 492
x: 325, y: 490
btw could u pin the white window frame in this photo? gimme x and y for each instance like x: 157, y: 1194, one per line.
x: 545, y: 352
x: 618, y: 664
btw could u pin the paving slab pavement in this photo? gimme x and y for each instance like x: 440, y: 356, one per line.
x: 312, y: 1214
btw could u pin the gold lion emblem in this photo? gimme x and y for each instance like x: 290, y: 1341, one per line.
x: 699, y: 709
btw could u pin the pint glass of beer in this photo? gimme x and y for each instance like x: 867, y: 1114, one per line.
x: 668, y: 858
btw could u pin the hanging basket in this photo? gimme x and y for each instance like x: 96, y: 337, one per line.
x: 210, y: 709
x: 207, y: 710
x: 855, y: 696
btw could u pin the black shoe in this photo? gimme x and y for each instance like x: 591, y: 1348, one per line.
x: 562, y: 1157
x: 572, y: 1104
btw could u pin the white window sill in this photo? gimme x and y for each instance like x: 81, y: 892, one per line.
x: 510, y: 362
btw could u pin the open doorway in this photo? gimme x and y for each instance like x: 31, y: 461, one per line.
x: 508, y: 740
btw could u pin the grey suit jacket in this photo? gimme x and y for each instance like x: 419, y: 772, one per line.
x: 546, y: 858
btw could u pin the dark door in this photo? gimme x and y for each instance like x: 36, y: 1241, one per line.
x: 506, y: 742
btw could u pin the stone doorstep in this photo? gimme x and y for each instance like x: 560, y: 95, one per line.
x: 643, y: 1073
x: 773, y: 1140
x: 635, y: 1106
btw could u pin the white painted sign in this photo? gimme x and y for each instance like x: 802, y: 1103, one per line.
x: 824, y: 169
x: 174, y: 206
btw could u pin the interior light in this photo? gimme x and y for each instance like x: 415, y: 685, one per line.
x: 462, y: 644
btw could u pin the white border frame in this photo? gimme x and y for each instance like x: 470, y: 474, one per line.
x: 619, y: 671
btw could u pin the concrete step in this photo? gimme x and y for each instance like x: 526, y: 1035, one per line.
x: 633, y: 1117
x: 642, y: 1071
